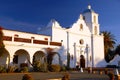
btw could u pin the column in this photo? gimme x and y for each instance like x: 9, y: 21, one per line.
x: 87, y: 53
x: 68, y: 54
x: 75, y: 61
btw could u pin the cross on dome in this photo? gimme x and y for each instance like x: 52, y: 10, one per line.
x: 88, y: 9
x: 89, y: 6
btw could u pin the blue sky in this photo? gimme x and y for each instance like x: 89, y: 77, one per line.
x: 29, y: 15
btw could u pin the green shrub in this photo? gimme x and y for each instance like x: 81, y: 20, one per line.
x: 2, y: 69
x: 36, y: 66
x: 63, y: 68
x: 54, y: 68
x: 24, y: 69
x: 23, y: 65
x: 43, y: 67
x: 27, y: 77
x: 12, y: 69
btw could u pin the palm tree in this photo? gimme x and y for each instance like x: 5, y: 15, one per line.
x: 110, y: 55
x: 109, y: 42
x: 117, y: 50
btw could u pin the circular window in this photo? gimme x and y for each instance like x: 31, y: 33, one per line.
x: 81, y: 41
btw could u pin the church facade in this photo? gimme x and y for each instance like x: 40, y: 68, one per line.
x: 82, y: 41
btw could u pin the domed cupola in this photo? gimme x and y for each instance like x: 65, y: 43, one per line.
x: 88, y: 10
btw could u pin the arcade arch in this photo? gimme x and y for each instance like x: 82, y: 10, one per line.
x: 39, y: 56
x: 21, y: 56
x: 53, y: 58
x: 5, y: 58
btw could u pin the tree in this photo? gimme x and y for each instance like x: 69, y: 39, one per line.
x: 117, y: 50
x: 109, y: 42
x: 1, y: 42
x: 110, y: 55
x: 1, y: 37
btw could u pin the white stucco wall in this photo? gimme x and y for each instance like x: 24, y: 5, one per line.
x: 98, y: 51
x: 59, y: 35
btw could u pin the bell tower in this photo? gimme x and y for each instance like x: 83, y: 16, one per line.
x: 91, y: 19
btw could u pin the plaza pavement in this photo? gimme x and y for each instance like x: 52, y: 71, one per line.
x: 74, y: 75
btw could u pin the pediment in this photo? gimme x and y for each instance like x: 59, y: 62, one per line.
x: 80, y: 27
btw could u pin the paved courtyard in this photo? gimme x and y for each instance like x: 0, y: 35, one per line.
x: 54, y: 76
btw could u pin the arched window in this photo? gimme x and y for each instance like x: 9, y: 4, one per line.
x: 95, y: 29
x: 81, y: 27
x: 94, y: 19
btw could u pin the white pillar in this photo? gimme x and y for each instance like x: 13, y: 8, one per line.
x: 87, y: 54
x: 68, y: 62
x: 75, y: 60
x: 11, y: 60
x: 92, y: 49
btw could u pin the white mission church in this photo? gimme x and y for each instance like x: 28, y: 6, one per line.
x: 82, y: 41
x: 83, y: 38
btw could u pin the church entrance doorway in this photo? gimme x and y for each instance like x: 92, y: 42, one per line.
x: 82, y: 61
